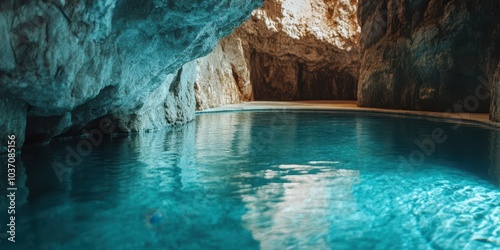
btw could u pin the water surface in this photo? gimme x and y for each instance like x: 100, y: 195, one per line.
x: 269, y: 180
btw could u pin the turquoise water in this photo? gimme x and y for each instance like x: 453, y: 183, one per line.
x: 268, y: 180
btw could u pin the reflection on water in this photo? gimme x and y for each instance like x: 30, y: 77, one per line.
x: 283, y: 214
x: 268, y: 180
x: 495, y: 156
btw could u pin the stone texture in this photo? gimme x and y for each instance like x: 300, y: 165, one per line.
x: 81, y: 60
x: 293, y: 50
x: 173, y: 103
x: 12, y: 121
x: 65, y: 64
x: 495, y: 96
x: 428, y: 55
x: 223, y: 77
x: 303, y: 49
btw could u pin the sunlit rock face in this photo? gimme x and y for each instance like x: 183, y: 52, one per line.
x: 66, y: 63
x: 303, y: 49
x: 223, y: 77
x: 429, y: 55
x: 287, y: 50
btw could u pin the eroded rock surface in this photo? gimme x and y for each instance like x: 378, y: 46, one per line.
x: 429, y: 55
x: 303, y: 49
x: 223, y: 77
x: 292, y: 50
x: 66, y: 64
x: 70, y: 62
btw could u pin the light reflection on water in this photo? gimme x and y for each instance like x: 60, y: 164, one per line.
x: 312, y: 192
x: 269, y: 180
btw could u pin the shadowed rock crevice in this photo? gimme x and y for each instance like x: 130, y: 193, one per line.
x: 428, y: 55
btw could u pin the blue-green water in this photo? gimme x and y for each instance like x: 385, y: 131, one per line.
x: 268, y: 180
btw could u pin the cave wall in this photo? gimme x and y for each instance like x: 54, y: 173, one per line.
x: 223, y: 76
x: 66, y: 63
x: 438, y: 55
x: 172, y: 103
x: 13, y: 117
x: 292, y: 50
x: 303, y: 49
x: 495, y: 96
x: 281, y: 79
x: 423, y: 55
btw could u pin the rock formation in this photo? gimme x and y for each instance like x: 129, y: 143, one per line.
x: 303, y: 49
x: 65, y: 63
x: 223, y: 77
x: 292, y: 50
x: 426, y: 55
x: 429, y: 55
x: 495, y: 96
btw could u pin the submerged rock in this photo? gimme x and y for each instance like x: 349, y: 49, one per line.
x: 156, y: 218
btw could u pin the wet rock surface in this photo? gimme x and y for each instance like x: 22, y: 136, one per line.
x: 12, y: 121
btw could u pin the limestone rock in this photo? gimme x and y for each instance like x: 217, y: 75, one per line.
x: 288, y: 50
x: 87, y: 59
x: 173, y: 103
x: 428, y: 55
x: 223, y: 77
x: 303, y: 49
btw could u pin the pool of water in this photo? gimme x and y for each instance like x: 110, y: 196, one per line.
x: 269, y: 180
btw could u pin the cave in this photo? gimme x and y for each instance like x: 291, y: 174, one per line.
x: 253, y: 124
